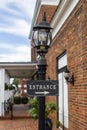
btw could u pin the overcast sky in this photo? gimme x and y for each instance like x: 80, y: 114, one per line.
x: 15, y: 22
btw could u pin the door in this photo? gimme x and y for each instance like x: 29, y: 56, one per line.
x: 63, y: 91
x: 63, y: 100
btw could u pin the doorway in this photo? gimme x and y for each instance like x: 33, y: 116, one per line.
x: 63, y: 91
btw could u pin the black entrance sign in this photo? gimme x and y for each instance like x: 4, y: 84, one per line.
x: 42, y: 87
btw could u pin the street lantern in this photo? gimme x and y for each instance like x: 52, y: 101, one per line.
x: 42, y: 36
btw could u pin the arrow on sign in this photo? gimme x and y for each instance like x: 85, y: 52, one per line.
x: 45, y: 92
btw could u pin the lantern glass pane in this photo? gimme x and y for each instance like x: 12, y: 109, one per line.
x: 66, y: 75
x: 49, y: 39
x: 42, y: 37
x: 35, y: 38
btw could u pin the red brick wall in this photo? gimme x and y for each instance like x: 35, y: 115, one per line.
x: 50, y: 11
x: 33, y: 54
x: 72, y: 37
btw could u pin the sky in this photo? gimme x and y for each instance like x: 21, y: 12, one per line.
x: 15, y: 22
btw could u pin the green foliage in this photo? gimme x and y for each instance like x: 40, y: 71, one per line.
x: 20, y: 100
x: 50, y: 107
x: 11, y: 87
x: 58, y: 123
x: 16, y: 82
x: 24, y: 100
x: 34, y: 111
x: 17, y: 100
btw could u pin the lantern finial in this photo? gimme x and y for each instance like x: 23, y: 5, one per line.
x: 44, y: 17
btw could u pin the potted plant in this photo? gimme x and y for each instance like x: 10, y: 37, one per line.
x: 50, y: 107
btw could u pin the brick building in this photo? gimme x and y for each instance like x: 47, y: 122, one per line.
x: 68, y: 49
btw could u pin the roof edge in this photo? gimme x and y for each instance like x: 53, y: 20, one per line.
x: 63, y: 11
x: 17, y: 63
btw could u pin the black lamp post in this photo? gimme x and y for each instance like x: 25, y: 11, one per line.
x: 42, y: 38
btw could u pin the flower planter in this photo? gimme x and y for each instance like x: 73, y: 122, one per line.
x: 48, y: 124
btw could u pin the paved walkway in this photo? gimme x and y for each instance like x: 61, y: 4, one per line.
x: 21, y: 120
x: 18, y: 124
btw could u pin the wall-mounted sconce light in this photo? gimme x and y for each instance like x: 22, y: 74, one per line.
x: 68, y: 77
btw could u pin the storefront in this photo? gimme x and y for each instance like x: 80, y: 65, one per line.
x: 68, y: 50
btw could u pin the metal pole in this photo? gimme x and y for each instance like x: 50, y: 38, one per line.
x: 41, y: 73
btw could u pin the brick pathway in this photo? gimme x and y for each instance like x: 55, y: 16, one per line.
x: 21, y: 121
x: 18, y: 124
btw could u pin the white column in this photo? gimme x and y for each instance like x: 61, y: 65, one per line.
x: 2, y: 82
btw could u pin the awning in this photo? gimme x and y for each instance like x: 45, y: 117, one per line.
x: 19, y: 69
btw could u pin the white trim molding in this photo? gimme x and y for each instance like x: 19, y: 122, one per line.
x: 35, y: 16
x: 50, y: 2
x: 64, y: 10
